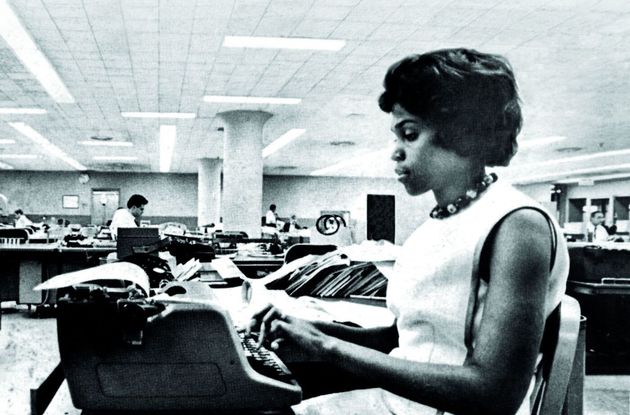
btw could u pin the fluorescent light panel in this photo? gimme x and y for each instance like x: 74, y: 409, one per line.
x: 282, y: 141
x: 224, y: 99
x: 114, y: 158
x: 168, y: 135
x: 16, y: 36
x: 536, y: 142
x: 7, y: 141
x: 6, y: 166
x: 106, y: 143
x: 26, y: 111
x: 48, y: 147
x: 260, y: 42
x: 591, y: 156
x: 595, y: 178
x: 361, y: 160
x: 159, y: 115
x: 547, y: 177
x: 19, y: 156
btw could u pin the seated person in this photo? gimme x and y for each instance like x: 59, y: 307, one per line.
x: 21, y: 221
x: 130, y: 217
x: 455, y: 346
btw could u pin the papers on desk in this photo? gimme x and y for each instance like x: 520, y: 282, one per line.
x: 116, y: 271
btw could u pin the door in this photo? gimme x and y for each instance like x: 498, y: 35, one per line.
x: 104, y: 204
x: 381, y: 217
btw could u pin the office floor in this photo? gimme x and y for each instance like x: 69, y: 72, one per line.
x: 28, y: 352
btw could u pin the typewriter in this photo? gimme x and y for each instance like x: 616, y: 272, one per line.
x: 121, y: 351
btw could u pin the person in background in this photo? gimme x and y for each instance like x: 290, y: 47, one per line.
x: 293, y: 225
x: 130, y: 217
x: 271, y: 218
x: 597, y: 232
x: 21, y: 221
x: 465, y: 338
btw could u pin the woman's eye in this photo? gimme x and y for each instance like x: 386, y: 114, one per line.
x: 409, y: 135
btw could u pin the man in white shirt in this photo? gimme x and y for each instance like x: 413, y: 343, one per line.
x: 21, y: 221
x: 130, y: 217
x: 271, y: 216
x: 596, y: 227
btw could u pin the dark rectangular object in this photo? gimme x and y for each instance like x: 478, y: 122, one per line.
x: 591, y: 263
x: 381, y: 217
x: 128, y: 238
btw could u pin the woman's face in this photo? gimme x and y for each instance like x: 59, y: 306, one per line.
x: 419, y: 162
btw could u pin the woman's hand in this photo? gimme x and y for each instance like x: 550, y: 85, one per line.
x: 278, y: 328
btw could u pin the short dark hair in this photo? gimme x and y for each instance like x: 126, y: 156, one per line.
x: 595, y: 213
x: 469, y: 98
x: 136, y: 200
x: 18, y: 212
x: 272, y: 207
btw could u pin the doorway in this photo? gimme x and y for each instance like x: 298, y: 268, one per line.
x: 104, y: 203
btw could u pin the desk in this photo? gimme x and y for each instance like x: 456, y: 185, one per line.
x: 256, y: 266
x: 24, y: 266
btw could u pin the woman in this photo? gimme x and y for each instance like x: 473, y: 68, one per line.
x: 474, y: 283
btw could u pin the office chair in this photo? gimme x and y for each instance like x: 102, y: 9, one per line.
x: 300, y: 250
x: 13, y: 235
x: 558, y: 353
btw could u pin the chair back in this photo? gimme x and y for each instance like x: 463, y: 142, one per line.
x: 558, y: 349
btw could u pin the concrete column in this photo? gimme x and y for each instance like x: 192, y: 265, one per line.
x: 208, y: 191
x: 241, y: 203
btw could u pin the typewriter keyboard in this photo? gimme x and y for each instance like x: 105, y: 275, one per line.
x: 264, y: 361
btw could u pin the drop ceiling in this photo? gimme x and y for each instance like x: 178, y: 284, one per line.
x: 570, y: 57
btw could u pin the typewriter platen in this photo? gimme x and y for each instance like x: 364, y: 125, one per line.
x: 179, y: 352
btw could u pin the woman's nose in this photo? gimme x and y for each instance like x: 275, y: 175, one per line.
x: 397, y: 153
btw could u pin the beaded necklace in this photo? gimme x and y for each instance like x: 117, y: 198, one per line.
x: 461, y: 202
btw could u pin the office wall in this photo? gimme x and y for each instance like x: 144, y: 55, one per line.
x: 307, y: 196
x: 172, y: 197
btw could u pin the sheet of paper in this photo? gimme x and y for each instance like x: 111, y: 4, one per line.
x: 125, y: 271
x: 226, y: 268
x: 285, y: 269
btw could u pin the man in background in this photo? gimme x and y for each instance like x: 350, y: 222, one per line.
x: 597, y: 229
x: 130, y: 217
x: 21, y: 221
x: 271, y: 218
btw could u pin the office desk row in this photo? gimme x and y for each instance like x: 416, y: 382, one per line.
x: 26, y: 265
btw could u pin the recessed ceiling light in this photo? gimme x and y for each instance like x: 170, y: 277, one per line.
x: 19, y: 40
x: 106, y: 143
x: 342, y: 143
x: 46, y: 145
x: 25, y: 111
x: 19, y: 156
x: 168, y: 135
x: 114, y: 158
x: 261, y: 42
x: 536, y: 142
x: 282, y: 141
x: 566, y: 150
x: 225, y: 99
x: 7, y: 141
x: 159, y: 115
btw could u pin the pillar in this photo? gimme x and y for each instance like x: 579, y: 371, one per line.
x: 208, y: 191
x: 241, y: 202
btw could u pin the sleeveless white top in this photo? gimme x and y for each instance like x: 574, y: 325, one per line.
x: 430, y: 288
x: 429, y: 294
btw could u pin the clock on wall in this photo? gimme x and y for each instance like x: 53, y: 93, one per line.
x: 84, y: 178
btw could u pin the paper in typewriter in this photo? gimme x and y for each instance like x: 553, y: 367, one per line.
x: 117, y: 271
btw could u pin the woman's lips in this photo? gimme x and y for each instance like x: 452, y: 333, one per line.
x: 401, y: 173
